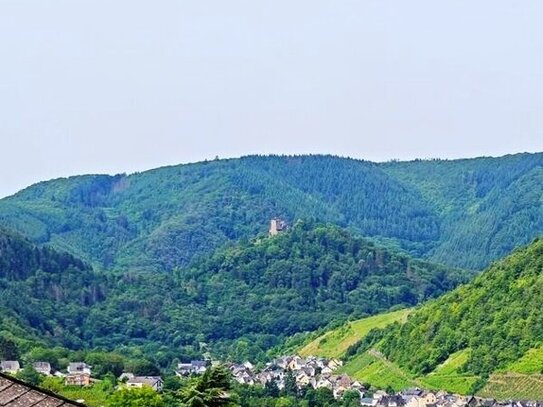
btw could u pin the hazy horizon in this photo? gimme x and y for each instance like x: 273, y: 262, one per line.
x: 271, y: 154
x: 125, y: 86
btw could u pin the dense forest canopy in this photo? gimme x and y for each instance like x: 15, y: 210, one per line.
x: 490, y: 206
x: 463, y: 213
x: 238, y: 303
x: 45, y: 294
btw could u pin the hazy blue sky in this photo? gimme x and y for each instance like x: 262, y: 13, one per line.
x: 118, y: 86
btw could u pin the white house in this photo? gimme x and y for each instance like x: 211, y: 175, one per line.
x: 137, y: 382
x: 10, y: 366
x: 79, y: 367
x: 43, y: 368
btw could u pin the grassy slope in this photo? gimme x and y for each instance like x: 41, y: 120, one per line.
x: 449, y: 377
x: 336, y: 342
x: 372, y: 367
x: 94, y: 396
x: 520, y: 380
x: 369, y: 367
x: 508, y: 292
x: 530, y: 363
x: 514, y: 386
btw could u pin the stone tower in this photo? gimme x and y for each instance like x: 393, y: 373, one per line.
x: 277, y: 225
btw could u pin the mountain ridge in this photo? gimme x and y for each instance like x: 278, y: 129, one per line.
x: 459, y: 212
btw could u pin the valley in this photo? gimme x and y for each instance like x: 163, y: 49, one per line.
x: 395, y: 268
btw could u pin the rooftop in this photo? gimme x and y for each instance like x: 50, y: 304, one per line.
x: 15, y: 393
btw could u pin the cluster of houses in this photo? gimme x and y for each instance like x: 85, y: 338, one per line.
x: 319, y: 372
x: 13, y: 367
x: 80, y: 374
x: 416, y: 397
x: 312, y: 371
x: 195, y: 367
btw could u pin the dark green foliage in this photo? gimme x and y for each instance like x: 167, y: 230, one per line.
x: 29, y: 375
x: 145, y: 368
x: 212, y: 389
x: 291, y: 389
x: 271, y: 389
x: 323, y: 397
x: 463, y: 212
x: 238, y: 303
x: 487, y: 206
x: 135, y: 398
x: 246, y: 299
x: 497, y: 316
x: 47, y: 291
x: 8, y: 349
x: 110, y: 363
x: 351, y: 398
x: 478, y: 385
x: 307, y: 277
x: 256, y: 396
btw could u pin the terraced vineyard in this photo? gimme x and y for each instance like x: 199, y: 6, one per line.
x: 371, y: 367
x: 530, y: 363
x: 514, y: 386
x: 447, y: 376
x: 335, y: 343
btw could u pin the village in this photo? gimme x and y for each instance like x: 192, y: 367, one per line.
x: 315, y: 372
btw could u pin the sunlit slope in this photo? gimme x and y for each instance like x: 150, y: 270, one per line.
x: 484, y: 337
x: 334, y: 343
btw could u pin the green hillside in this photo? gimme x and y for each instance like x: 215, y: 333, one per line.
x: 488, y: 206
x: 238, y: 303
x: 489, y: 330
x: 371, y: 366
x: 462, y: 213
x: 45, y: 294
x: 162, y: 219
x: 334, y: 343
x: 514, y: 386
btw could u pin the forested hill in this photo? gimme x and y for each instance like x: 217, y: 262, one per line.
x: 462, y: 212
x: 267, y: 289
x: 240, y: 301
x: 496, y: 321
x: 44, y: 294
x: 488, y: 206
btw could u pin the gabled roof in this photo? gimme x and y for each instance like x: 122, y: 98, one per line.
x: 10, y: 364
x: 42, y: 365
x: 15, y: 393
x: 78, y: 365
x: 150, y: 380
